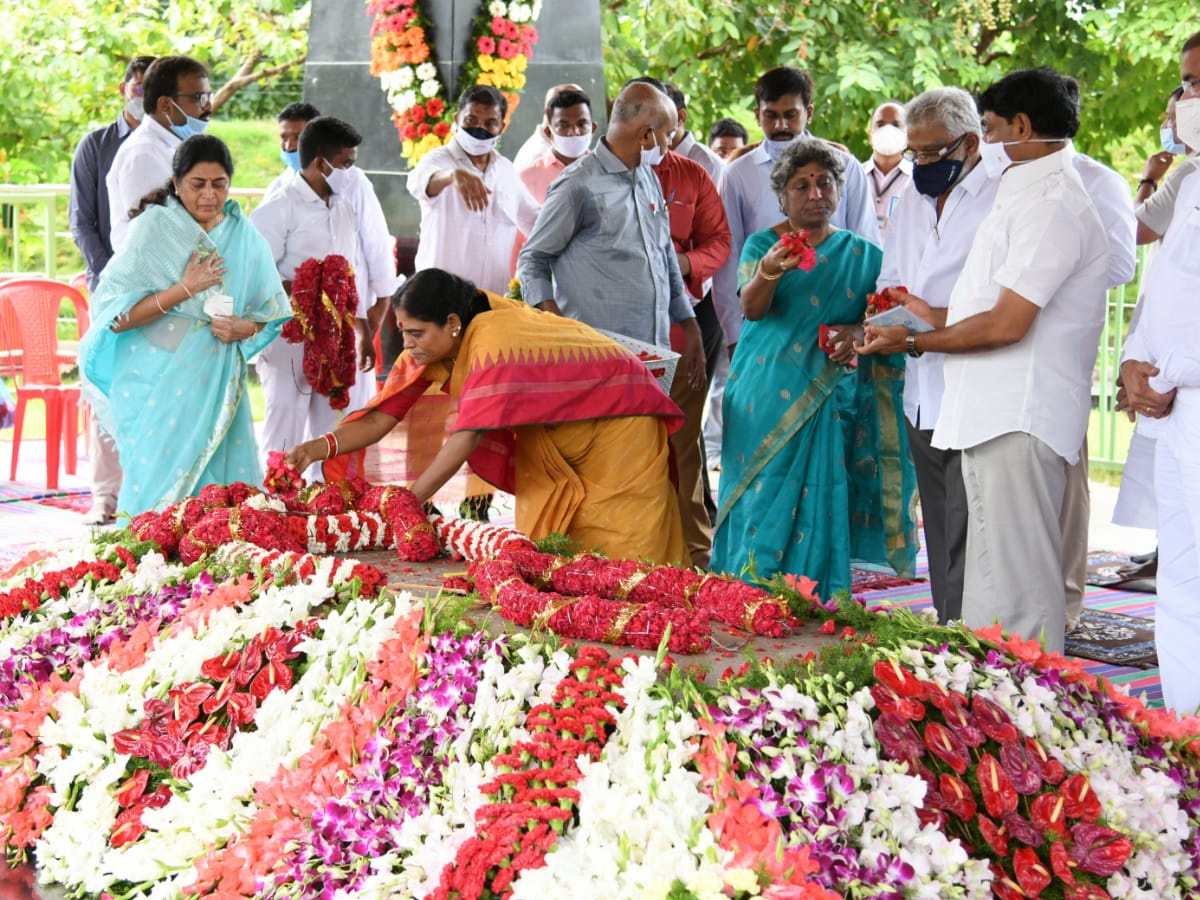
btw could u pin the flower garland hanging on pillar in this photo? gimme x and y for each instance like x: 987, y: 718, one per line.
x: 402, y: 59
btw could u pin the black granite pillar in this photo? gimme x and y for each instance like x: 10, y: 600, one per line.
x: 338, y: 81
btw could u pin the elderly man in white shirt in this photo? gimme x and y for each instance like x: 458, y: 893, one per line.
x: 1022, y: 332
x: 178, y: 101
x: 313, y: 216
x: 473, y: 203
x: 931, y: 232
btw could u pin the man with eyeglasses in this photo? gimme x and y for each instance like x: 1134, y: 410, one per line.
x: 1021, y: 334
x: 177, y: 99
x: 90, y: 227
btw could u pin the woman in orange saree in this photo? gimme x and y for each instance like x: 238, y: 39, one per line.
x: 548, y: 409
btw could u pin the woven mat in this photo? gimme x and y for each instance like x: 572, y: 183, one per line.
x: 1112, y: 570
x: 1114, y: 638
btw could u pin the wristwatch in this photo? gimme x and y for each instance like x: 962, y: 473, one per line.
x: 910, y: 345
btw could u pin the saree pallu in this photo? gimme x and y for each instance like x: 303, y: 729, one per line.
x: 815, y: 466
x: 574, y: 426
x: 173, y: 396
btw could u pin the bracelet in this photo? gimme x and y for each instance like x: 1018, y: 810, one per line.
x: 765, y: 276
x: 158, y: 303
x: 331, y: 444
x: 185, y: 287
x: 328, y: 446
x: 1149, y: 181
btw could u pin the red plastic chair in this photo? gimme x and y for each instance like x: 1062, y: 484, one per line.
x: 29, y: 332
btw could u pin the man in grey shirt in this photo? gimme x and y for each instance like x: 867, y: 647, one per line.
x: 604, y: 236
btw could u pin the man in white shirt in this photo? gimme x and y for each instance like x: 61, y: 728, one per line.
x: 178, y: 103
x: 888, y: 172
x: 934, y: 224
x: 783, y: 108
x: 473, y: 206
x: 313, y: 216
x: 1160, y: 372
x: 472, y: 201
x: 292, y: 119
x: 1021, y: 331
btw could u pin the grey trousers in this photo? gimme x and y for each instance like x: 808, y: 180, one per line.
x: 1015, y: 486
x: 106, y: 468
x: 1076, y: 510
x: 944, y: 519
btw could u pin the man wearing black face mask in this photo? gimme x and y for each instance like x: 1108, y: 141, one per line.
x: 929, y: 235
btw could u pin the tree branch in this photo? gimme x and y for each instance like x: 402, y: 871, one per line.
x: 246, y: 75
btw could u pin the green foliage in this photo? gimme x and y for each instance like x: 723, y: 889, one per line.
x: 1125, y: 56
x: 64, y: 61
x: 254, y: 145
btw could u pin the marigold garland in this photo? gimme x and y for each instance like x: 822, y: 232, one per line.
x: 324, y: 303
x: 401, y: 57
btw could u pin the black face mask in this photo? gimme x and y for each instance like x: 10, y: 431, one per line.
x: 480, y: 134
x: 934, y: 179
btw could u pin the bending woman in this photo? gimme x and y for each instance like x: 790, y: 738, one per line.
x: 188, y: 299
x: 548, y: 409
x: 815, y: 465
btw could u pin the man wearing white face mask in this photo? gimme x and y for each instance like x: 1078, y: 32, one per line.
x: 91, y: 224
x: 177, y: 99
x: 888, y: 172
x: 472, y: 201
x: 783, y: 108
x: 313, y: 216
x: 1021, y: 335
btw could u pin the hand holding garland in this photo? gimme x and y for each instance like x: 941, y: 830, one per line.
x: 347, y: 437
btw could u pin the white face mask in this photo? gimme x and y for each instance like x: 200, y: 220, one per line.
x: 571, y: 146
x: 775, y: 148
x: 889, y: 140
x: 339, y: 180
x: 995, y: 158
x: 473, y: 145
x: 135, y: 108
x: 1187, y: 121
x: 653, y: 156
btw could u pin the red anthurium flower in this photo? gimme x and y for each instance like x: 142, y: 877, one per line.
x: 248, y: 666
x: 998, y: 794
x: 1032, y: 874
x: 133, y: 788
x: 241, y: 709
x: 1049, y: 813
x: 963, y: 724
x: 224, y: 691
x: 1061, y: 862
x: 1099, y: 850
x: 899, y: 679
x: 156, y: 714
x: 194, y: 756
x: 895, y: 734
x: 957, y: 797
x: 209, y: 732
x: 1050, y: 769
x: 1020, y: 769
x: 165, y: 749
x: 187, y: 699
x: 1021, y: 829
x: 160, y: 797
x: 946, y: 746
x: 994, y: 834
x: 133, y: 741
x: 273, y: 675
x: 1081, y: 801
x: 1004, y: 887
x: 889, y: 701
x: 128, y: 827
x: 1085, y: 892
x: 993, y: 720
x: 219, y: 667
x: 941, y: 696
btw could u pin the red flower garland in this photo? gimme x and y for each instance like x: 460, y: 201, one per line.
x: 324, y: 303
x: 282, y: 478
x: 416, y: 541
x: 534, y: 790
x: 471, y: 540
x: 28, y: 596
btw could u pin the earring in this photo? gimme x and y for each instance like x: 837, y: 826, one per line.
x: 454, y: 333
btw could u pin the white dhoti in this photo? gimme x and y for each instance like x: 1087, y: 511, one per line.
x: 295, y: 413
x: 1177, y: 612
x: 1135, y: 501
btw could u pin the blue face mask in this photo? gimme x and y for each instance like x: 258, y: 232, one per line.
x: 190, y: 127
x: 291, y: 158
x: 1166, y: 135
x: 935, y: 178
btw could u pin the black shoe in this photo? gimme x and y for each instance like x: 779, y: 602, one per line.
x: 1142, y: 558
x: 476, y: 508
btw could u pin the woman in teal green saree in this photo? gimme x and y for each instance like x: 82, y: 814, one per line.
x: 815, y: 465
x: 189, y: 298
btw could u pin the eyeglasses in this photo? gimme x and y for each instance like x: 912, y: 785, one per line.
x: 930, y: 156
x: 202, y: 99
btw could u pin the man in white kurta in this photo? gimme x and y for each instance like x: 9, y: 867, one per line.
x: 1021, y: 331
x: 310, y: 218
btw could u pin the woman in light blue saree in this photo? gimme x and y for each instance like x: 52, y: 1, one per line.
x: 191, y: 296
x: 815, y: 465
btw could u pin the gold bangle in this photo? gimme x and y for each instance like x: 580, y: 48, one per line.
x: 185, y: 288
x: 765, y: 276
x: 158, y: 303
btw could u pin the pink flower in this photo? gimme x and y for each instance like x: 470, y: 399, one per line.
x: 487, y: 45
x: 499, y: 26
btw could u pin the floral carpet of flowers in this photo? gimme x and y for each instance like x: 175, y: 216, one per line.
x: 402, y: 58
x: 270, y: 724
